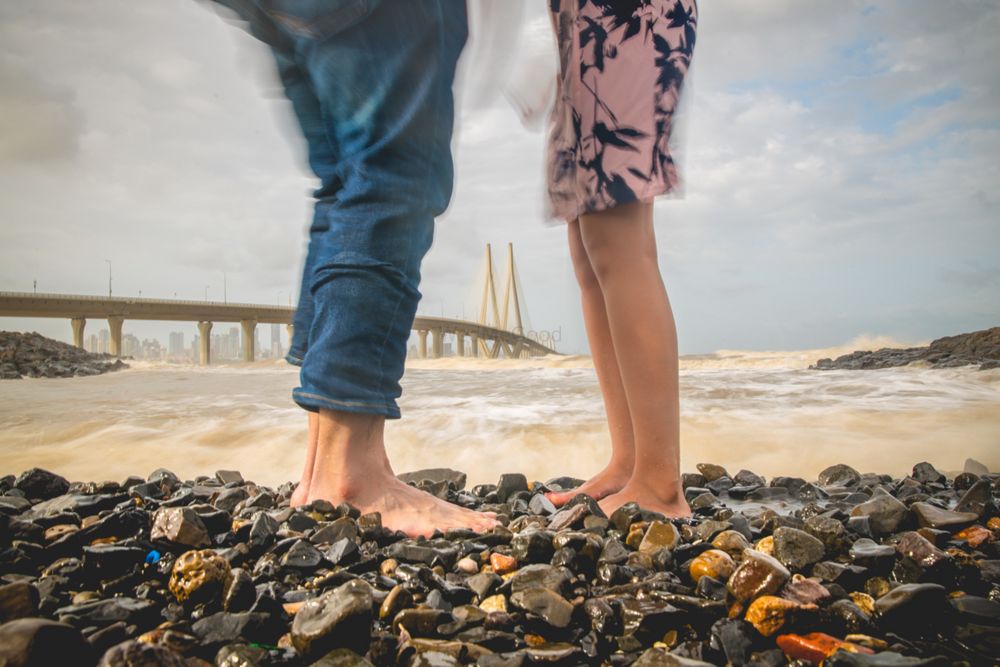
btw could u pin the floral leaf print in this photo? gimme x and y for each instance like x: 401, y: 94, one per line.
x: 641, y: 175
x: 609, y: 137
x: 669, y: 73
x: 619, y: 191
x: 600, y: 36
x: 681, y: 17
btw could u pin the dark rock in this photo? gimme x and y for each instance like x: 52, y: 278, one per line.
x: 539, y: 504
x: 180, y: 525
x: 913, y: 609
x: 839, y: 474
x: 39, y: 642
x: 544, y: 603
x: 215, y: 631
x: 509, y: 484
x: 41, y: 484
x: 18, y: 600
x: 711, y: 471
x: 336, y: 619
x: 342, y: 552
x: 923, y: 553
x: 538, y: 575
x: 827, y: 530
x: 843, y: 658
x: 976, y: 498
x: 133, y: 653
x: 758, y: 574
x: 885, y: 513
x: 975, y: 467
x: 328, y: 533
x: 240, y: 593
x: 302, y: 556
x: 734, y: 638
x: 454, y: 477
x: 533, y: 546
x: 797, y: 549
x: 934, y: 517
x: 241, y: 655
x: 925, y: 473
x: 141, y: 613
x: 229, y: 477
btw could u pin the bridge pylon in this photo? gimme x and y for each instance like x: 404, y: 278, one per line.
x: 511, y: 308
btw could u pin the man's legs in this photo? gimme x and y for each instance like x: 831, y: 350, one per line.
x: 382, y: 90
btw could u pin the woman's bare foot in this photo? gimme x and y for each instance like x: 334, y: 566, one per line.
x: 404, y: 507
x: 667, y: 499
x: 609, y: 480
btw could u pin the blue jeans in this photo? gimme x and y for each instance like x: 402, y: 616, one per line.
x: 371, y: 85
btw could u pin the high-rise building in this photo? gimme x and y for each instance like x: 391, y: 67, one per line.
x: 175, y: 346
x: 131, y: 347
x: 103, y: 341
x: 276, y: 350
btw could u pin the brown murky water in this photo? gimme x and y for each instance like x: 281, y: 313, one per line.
x: 757, y: 410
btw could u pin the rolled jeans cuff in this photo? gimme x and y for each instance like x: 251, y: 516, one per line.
x: 315, y: 402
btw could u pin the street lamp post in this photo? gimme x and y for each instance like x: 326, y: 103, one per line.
x: 206, y: 292
x: 109, y: 277
x: 225, y: 296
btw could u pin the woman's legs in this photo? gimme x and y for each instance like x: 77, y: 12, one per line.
x: 619, y: 469
x: 621, y: 245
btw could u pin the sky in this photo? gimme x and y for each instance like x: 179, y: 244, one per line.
x: 840, y: 162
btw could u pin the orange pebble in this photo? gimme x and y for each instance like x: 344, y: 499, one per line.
x: 975, y: 535
x: 502, y: 564
x: 815, y: 646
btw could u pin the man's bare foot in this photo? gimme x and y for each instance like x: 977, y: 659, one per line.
x: 609, y: 480
x: 404, y: 507
x: 301, y: 494
x: 667, y: 499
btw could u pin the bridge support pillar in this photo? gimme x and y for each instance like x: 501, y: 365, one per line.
x: 422, y: 346
x: 115, y: 344
x: 460, y: 344
x: 249, y: 328
x: 437, y: 348
x: 204, y: 343
x: 474, y: 352
x: 78, y: 324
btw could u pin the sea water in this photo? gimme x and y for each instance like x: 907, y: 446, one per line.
x: 763, y: 411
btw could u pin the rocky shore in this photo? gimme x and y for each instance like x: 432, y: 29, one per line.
x: 979, y: 348
x: 850, y: 569
x: 34, y: 355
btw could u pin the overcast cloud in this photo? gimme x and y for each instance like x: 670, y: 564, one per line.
x: 840, y: 159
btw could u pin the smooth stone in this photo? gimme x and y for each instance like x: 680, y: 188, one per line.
x: 929, y: 516
x: 111, y: 610
x: 545, y: 603
x: 758, y: 574
x: 41, y: 484
x: 398, y: 599
x: 432, y: 552
x: 884, y: 512
x: 713, y: 563
x: 568, y: 517
x: 797, y: 549
x: 659, y: 535
x: 509, y: 484
x: 975, y: 467
x: 455, y: 477
x: 711, y: 471
x: 843, y: 658
x: 240, y: 593
x: 342, y: 552
x: 734, y: 638
x: 657, y: 657
x: 804, y: 590
x: 339, y: 618
x: 539, y: 504
x: 869, y: 553
x: 483, y: 584
x: 648, y: 619
x: 534, y: 546
x: 419, y: 622
x: 132, y: 653
x: 701, y: 501
x: 229, y: 477
x: 180, y: 525
x: 918, y: 549
x: 540, y: 575
x: 343, y: 657
x: 768, y: 493
x: 827, y: 530
x: 331, y: 532
x: 910, y: 608
x: 302, y: 556
x: 925, y: 473
x: 18, y: 600
x: 839, y: 475
x: 199, y: 575
x: 747, y: 478
x: 219, y: 629
x: 732, y: 542
x: 976, y: 498
x: 40, y: 642
x: 769, y: 613
x: 241, y: 655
